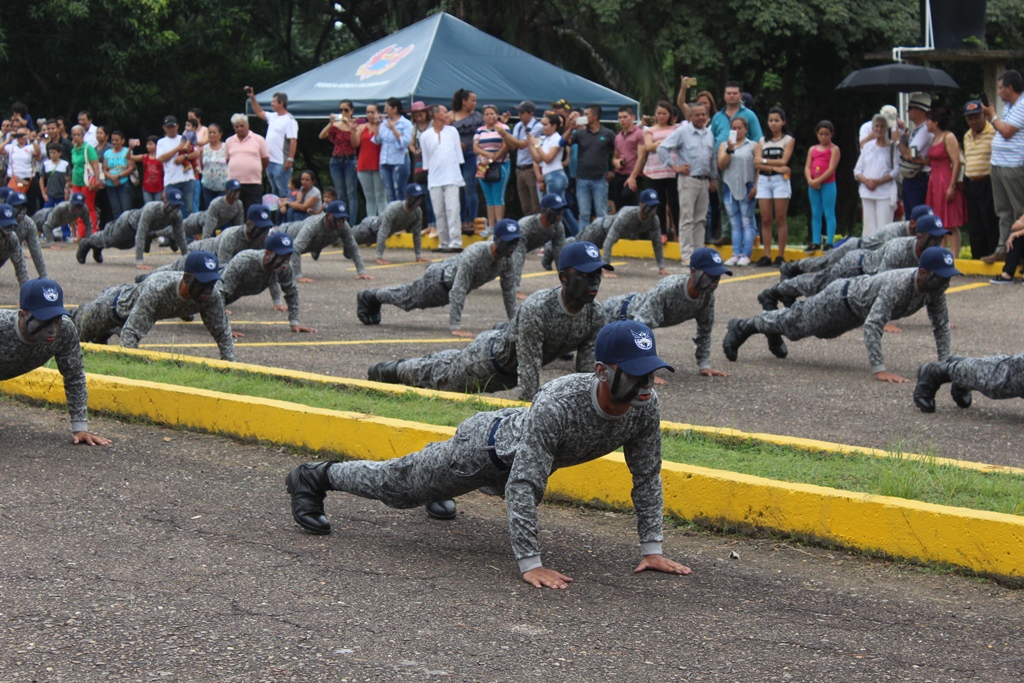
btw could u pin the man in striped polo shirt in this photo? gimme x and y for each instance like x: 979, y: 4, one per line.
x: 1007, y: 157
x: 982, y: 222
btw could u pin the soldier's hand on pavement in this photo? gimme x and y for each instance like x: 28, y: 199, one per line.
x: 708, y: 372
x: 542, y: 577
x: 609, y: 274
x: 280, y: 307
x: 891, y: 329
x: 364, y: 276
x: 890, y: 377
x: 662, y: 271
x: 521, y: 296
x: 89, y: 438
x: 465, y: 334
x: 304, y: 280
x: 143, y: 266
x: 383, y: 262
x: 302, y: 328
x: 237, y: 335
x: 420, y: 259
x: 660, y: 563
x: 660, y: 382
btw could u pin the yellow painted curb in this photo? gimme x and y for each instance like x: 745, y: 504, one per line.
x: 811, y: 445
x: 986, y: 542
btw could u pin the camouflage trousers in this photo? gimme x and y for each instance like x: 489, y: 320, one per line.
x: 443, y: 469
x: 30, y: 238
x: 472, y: 369
x: 365, y: 232
x: 995, y: 376
x: 810, y: 284
x: 429, y: 291
x: 112, y: 237
x: 825, y: 316
x: 98, y: 320
x: 826, y: 260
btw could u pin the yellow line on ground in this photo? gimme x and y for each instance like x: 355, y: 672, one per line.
x: 964, y: 288
x: 347, y: 342
x: 727, y: 280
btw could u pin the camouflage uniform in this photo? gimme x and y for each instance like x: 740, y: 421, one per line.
x: 834, y: 255
x: 995, y: 376
x: 534, y: 235
x: 313, y: 235
x: 894, y: 254
x: 541, y: 331
x: 10, y: 248
x: 18, y: 357
x: 206, y: 223
x: 159, y: 298
x: 28, y: 234
x: 667, y: 304
x: 393, y: 219
x: 595, y: 233
x: 103, y: 317
x: 628, y: 225
x: 118, y: 235
x: 451, y: 280
x: 47, y: 220
x: 515, y: 450
x: 229, y: 242
x: 246, y: 276
x: 870, y: 301
x: 134, y: 226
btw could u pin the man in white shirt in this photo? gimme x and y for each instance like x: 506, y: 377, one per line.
x: 172, y: 150
x: 85, y: 121
x: 282, y: 137
x: 442, y: 156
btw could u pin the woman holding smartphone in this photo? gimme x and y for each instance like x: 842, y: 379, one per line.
x: 736, y: 160
x: 547, y: 152
x: 339, y: 131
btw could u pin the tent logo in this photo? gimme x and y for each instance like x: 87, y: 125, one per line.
x: 382, y: 61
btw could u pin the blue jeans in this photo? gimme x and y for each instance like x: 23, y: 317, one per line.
x: 395, y: 178
x: 196, y: 196
x: 148, y: 197
x: 469, y: 201
x: 592, y: 195
x: 823, y: 201
x: 373, y: 191
x: 556, y: 183
x: 343, y: 177
x: 278, y: 176
x: 494, y: 193
x: 741, y: 215
x: 120, y: 197
x: 209, y: 195
x: 187, y: 187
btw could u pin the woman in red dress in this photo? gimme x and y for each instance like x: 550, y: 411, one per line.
x: 945, y: 195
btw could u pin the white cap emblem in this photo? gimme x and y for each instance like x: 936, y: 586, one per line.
x: 642, y: 340
x: 716, y: 258
x: 264, y: 215
x: 286, y: 241
x: 210, y: 264
x: 938, y: 222
x: 592, y: 252
x: 948, y: 258
x: 50, y: 294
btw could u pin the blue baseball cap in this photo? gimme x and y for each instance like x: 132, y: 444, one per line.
x: 232, y: 186
x: 17, y: 199
x: 920, y: 211
x: 583, y: 256
x: 173, y: 196
x: 5, y: 192
x: 414, y: 190
x: 507, y: 230
x: 939, y: 260
x: 43, y: 298
x: 650, y: 198
x: 259, y: 214
x: 279, y: 243
x: 630, y: 345
x: 708, y: 260
x: 78, y: 199
x: 932, y: 225
x: 973, y: 107
x: 337, y: 209
x: 203, y: 265
x: 7, y: 218
x: 552, y: 201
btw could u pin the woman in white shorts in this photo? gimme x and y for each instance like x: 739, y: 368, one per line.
x: 774, y: 189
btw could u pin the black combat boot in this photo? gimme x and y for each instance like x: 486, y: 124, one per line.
x: 961, y: 396
x: 789, y: 269
x: 308, y: 484
x: 777, y: 345
x: 768, y: 299
x: 385, y: 371
x: 930, y: 377
x: 367, y: 307
x: 83, y: 251
x: 442, y: 509
x: 739, y: 331
x: 97, y: 255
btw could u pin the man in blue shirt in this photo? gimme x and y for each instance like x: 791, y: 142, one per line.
x: 526, y: 179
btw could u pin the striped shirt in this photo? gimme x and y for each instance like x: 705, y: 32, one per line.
x: 1009, y: 153
x: 490, y: 140
x: 978, y: 152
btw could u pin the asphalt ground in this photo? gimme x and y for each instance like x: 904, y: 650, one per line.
x: 823, y: 390
x: 172, y: 556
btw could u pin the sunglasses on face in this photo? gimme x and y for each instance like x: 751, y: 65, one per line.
x: 344, y: 110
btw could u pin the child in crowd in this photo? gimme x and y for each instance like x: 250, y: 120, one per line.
x: 191, y: 131
x: 328, y: 194
x: 55, y: 182
x: 152, y: 171
x: 820, y: 172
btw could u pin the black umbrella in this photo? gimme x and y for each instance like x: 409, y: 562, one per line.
x: 898, y: 78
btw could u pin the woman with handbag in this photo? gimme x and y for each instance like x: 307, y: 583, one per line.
x: 85, y: 175
x: 492, y: 163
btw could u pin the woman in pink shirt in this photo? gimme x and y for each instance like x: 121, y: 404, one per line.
x: 247, y: 156
x: 820, y: 171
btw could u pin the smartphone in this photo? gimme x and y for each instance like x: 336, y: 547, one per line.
x: 581, y: 120
x: 984, y: 100
x: 691, y: 82
x: 732, y: 136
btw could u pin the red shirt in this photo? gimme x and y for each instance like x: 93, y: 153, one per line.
x: 369, y: 153
x: 627, y: 146
x: 342, y: 140
x: 152, y: 175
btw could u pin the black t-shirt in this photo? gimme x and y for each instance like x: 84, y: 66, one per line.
x: 595, y: 152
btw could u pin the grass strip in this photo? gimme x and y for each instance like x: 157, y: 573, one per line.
x: 913, y: 479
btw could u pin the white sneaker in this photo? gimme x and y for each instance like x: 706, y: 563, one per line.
x: 744, y: 261
x: 732, y: 260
